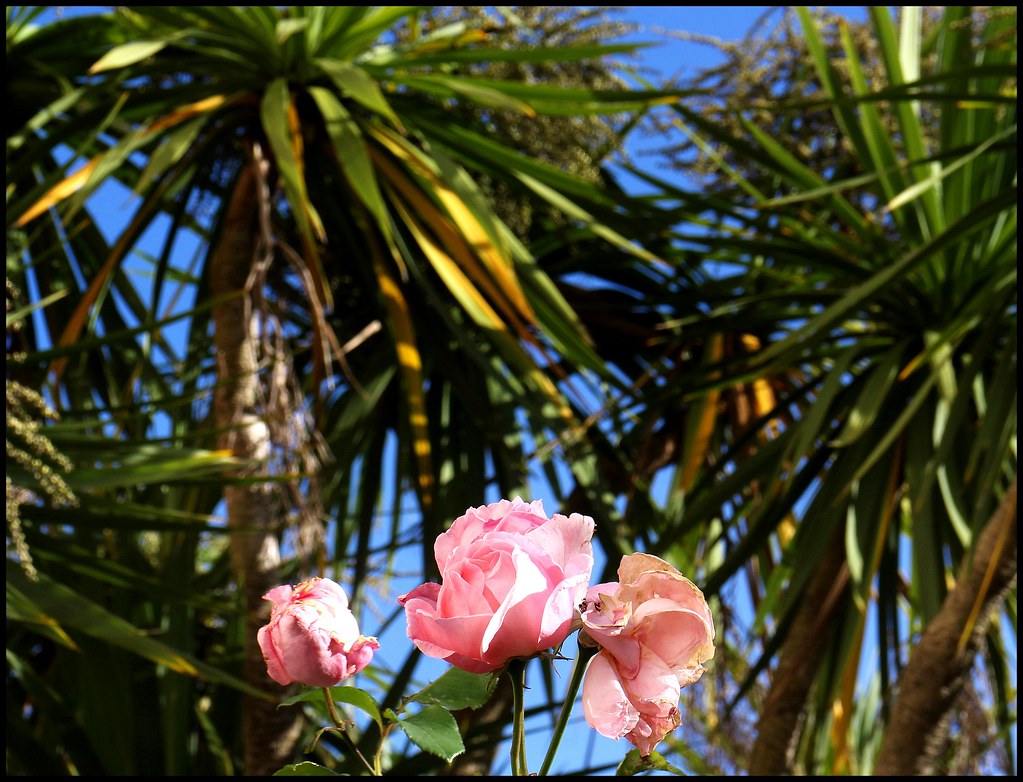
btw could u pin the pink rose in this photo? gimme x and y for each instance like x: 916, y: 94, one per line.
x: 313, y: 638
x: 654, y: 630
x: 512, y: 581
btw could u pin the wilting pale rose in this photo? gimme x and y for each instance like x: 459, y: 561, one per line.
x: 511, y: 583
x: 654, y: 630
x: 312, y: 637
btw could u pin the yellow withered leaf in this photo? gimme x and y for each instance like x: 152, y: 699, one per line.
x: 76, y: 181
x: 63, y: 189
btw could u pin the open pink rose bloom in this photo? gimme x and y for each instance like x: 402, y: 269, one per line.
x: 654, y: 630
x: 512, y: 581
x: 312, y: 637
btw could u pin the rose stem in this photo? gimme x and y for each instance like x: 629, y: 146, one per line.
x: 517, y: 672
x: 336, y: 718
x: 582, y: 658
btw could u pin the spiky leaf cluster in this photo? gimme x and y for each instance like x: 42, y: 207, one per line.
x: 761, y: 73
x: 578, y: 144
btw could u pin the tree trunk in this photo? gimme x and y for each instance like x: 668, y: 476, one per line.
x: 937, y: 668
x: 774, y: 748
x: 481, y: 728
x: 269, y: 733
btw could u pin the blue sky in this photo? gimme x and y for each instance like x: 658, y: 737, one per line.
x: 581, y: 746
x: 671, y: 57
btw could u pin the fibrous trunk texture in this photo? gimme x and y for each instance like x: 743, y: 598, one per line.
x: 934, y: 677
x: 798, y: 664
x: 269, y: 733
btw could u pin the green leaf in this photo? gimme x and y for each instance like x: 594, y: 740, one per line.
x: 435, y: 731
x: 353, y: 82
x: 305, y: 769
x: 542, y: 98
x: 940, y: 173
x: 126, y: 54
x: 814, y: 421
x: 274, y: 111
x: 350, y: 150
x: 560, y: 54
x: 152, y: 466
x: 21, y: 609
x: 358, y: 698
x: 570, y: 208
x: 21, y: 312
x: 113, y: 337
x: 633, y: 763
x: 74, y: 611
x: 169, y: 152
x: 898, y: 57
x: 42, y: 117
x: 875, y: 391
x: 288, y: 27
x: 475, y: 148
x: 372, y: 25
x: 344, y: 693
x: 845, y: 117
x: 458, y: 689
x: 803, y: 176
x: 969, y: 224
x: 449, y: 86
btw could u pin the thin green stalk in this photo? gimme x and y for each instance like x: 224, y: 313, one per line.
x: 340, y: 723
x: 582, y: 658
x: 517, y: 673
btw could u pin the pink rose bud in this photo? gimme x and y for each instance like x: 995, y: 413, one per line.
x: 512, y: 581
x: 313, y: 637
x: 654, y: 630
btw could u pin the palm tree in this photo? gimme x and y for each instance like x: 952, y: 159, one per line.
x: 881, y: 304
x: 351, y: 281
x: 838, y: 408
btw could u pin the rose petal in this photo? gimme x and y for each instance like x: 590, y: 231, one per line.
x: 524, y: 615
x: 512, y: 580
x: 310, y: 635
x: 606, y: 707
